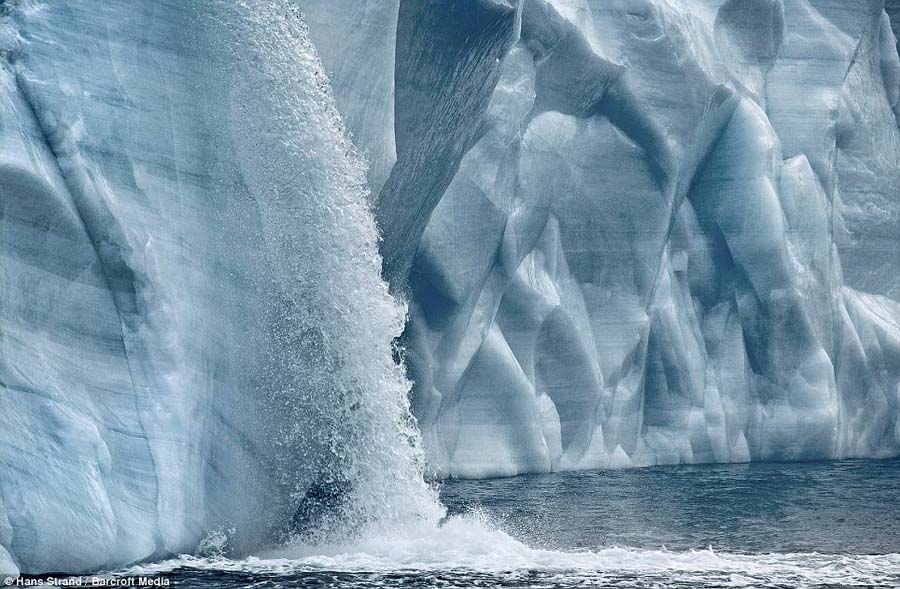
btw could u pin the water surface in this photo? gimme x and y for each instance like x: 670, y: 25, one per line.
x: 826, y: 524
x: 847, y: 507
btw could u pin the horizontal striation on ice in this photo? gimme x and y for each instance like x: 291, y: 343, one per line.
x: 448, y: 60
x: 662, y: 225
x: 629, y: 232
x: 191, y: 299
x: 355, y: 40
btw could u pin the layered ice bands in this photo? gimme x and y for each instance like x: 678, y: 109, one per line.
x: 672, y: 234
x: 630, y: 232
x: 194, y: 333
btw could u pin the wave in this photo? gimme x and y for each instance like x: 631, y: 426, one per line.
x: 466, y: 547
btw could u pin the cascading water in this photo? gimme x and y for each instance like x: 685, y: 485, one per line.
x: 218, y: 355
x: 353, y: 449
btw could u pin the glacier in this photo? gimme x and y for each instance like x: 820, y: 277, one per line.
x: 625, y: 233
x: 673, y: 238
x: 194, y: 330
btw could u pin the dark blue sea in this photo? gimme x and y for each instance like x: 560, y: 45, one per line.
x: 823, y: 524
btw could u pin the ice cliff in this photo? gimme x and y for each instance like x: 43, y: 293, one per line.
x: 629, y: 232
x: 659, y: 232
x: 194, y: 334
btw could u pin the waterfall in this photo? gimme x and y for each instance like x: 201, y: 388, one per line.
x: 354, y: 436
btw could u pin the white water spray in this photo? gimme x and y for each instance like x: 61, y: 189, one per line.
x: 320, y: 236
x: 337, y: 318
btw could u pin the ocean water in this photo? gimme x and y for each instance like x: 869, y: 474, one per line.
x: 823, y: 524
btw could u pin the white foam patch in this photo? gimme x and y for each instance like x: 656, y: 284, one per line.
x: 465, y: 545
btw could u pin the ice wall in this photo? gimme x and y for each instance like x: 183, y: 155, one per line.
x: 194, y: 334
x: 670, y: 236
x: 630, y: 232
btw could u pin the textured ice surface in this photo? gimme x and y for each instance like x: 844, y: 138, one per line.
x: 193, y: 327
x: 355, y: 40
x: 630, y: 232
x: 674, y: 238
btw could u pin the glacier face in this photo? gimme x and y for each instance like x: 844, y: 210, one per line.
x: 194, y: 331
x: 672, y: 233
x: 630, y: 232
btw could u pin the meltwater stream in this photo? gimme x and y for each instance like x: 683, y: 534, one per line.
x: 339, y: 392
